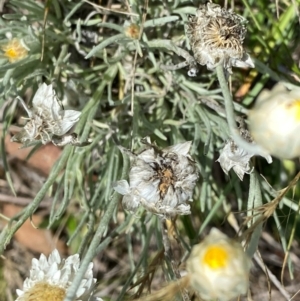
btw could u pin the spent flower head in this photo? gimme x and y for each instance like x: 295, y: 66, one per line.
x: 162, y: 181
x: 218, y: 268
x: 46, y: 118
x: 275, y: 122
x: 235, y: 157
x: 216, y: 36
x: 50, y: 278
x: 15, y: 50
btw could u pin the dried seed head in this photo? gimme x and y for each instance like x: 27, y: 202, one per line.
x: 46, y: 118
x: 15, y: 50
x: 218, y: 268
x: 216, y: 36
x: 275, y: 122
x: 162, y: 181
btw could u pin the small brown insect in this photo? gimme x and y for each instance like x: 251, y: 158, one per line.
x: 160, y: 180
x: 166, y: 179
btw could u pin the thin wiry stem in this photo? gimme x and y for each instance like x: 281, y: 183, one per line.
x: 170, y: 257
x: 24, y: 106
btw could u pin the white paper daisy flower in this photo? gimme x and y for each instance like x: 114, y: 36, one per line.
x: 218, y: 268
x: 275, y: 121
x: 50, y: 278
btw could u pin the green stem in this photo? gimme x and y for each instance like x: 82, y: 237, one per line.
x: 249, y: 147
x: 254, y: 201
x: 8, y: 232
x: 94, y: 245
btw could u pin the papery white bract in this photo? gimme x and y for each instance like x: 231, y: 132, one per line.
x: 218, y: 268
x: 50, y: 278
x: 162, y: 181
x: 46, y: 118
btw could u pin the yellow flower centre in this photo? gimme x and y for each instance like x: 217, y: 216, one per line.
x: 43, y: 291
x: 295, y: 108
x: 215, y: 257
x: 14, y: 50
x: 11, y: 53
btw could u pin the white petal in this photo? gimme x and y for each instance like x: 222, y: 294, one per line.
x: 170, y: 198
x: 54, y: 257
x: 149, y: 191
x: 244, y: 62
x: 131, y: 202
x: 45, y: 100
x: 148, y: 156
x: 180, y: 148
x: 80, y: 291
x: 55, y: 278
x: 139, y: 174
x: 19, y: 292
x: 52, y: 270
x: 121, y: 187
x: 70, y: 117
x: 35, y: 263
x: 40, y: 275
x: 43, y: 262
x: 183, y: 209
x: 73, y: 260
x: 40, y: 94
x: 65, y: 274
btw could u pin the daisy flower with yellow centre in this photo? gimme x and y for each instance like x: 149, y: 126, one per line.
x: 50, y: 278
x: 218, y: 268
x: 14, y: 50
x: 274, y: 121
